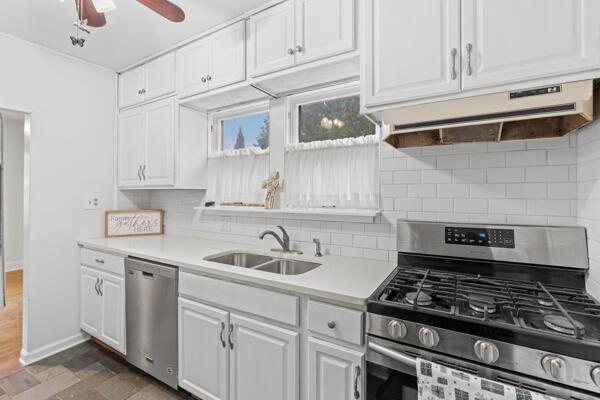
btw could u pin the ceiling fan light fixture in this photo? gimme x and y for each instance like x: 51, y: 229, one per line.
x: 103, y: 6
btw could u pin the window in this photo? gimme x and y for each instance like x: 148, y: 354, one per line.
x: 332, y: 119
x: 332, y: 153
x: 251, y: 130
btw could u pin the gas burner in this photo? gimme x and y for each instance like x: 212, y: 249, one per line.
x: 480, y: 303
x: 544, y: 301
x: 559, y: 323
x: 424, y: 285
x: 424, y: 300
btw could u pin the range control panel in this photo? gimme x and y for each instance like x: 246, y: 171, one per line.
x: 481, y: 237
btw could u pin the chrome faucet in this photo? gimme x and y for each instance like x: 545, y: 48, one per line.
x: 284, y: 240
x: 317, y: 242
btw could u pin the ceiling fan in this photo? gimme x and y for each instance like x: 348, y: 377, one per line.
x: 90, y: 13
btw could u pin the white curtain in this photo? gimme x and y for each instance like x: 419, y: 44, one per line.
x: 340, y: 173
x: 235, y: 176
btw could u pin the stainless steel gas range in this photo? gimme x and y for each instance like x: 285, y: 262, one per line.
x: 506, y: 303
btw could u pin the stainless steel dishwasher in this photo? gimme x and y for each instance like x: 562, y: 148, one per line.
x: 151, y: 305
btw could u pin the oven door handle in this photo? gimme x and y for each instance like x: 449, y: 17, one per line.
x: 394, y: 355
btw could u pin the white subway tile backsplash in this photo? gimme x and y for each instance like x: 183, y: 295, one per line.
x: 505, y: 175
x: 526, y: 158
x: 438, y: 205
x: 562, y: 156
x: 421, y: 163
x: 508, y: 206
x: 436, y: 176
x: 407, y: 177
x: 344, y: 239
x: 566, y: 191
x: 453, y: 190
x: 510, y: 145
x: 408, y: 204
x: 548, y: 174
x: 422, y: 190
x: 393, y: 190
x: 549, y: 207
x: 471, y: 206
x: 488, y: 191
x: 477, y: 175
x: 526, y: 191
x: 454, y: 161
x: 485, y: 160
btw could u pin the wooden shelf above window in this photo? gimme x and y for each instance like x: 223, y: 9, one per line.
x: 342, y: 215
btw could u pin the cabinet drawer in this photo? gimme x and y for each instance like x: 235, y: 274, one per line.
x: 336, y: 322
x: 103, y: 261
x: 264, y: 303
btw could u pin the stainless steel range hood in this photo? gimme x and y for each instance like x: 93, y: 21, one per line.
x: 548, y: 111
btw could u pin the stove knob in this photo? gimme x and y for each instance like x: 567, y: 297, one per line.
x: 596, y: 376
x: 486, y: 351
x: 428, y: 337
x: 555, y: 367
x: 396, y: 329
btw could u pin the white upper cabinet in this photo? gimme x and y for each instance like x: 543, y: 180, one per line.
x: 324, y: 28
x: 203, y: 350
x: 130, y: 148
x: 411, y: 49
x: 147, y: 82
x: 212, y: 62
x: 264, y: 361
x: 159, y: 164
x: 271, y: 39
x: 227, y: 56
x: 518, y: 40
x: 299, y: 31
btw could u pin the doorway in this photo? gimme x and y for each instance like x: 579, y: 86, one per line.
x: 12, y: 235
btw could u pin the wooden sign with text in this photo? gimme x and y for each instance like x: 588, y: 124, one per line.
x: 143, y: 222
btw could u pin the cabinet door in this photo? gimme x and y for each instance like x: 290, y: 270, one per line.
x: 271, y: 39
x: 264, y: 361
x: 131, y: 84
x: 193, y: 68
x: 517, y: 40
x: 334, y: 372
x: 324, y: 28
x: 203, y: 350
x: 112, y: 293
x: 130, y: 148
x: 160, y: 77
x: 411, y: 50
x: 158, y: 168
x: 90, y: 301
x: 228, y: 56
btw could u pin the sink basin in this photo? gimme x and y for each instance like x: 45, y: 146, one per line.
x: 244, y: 260
x: 288, y: 267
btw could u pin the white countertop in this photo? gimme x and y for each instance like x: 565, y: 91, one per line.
x: 343, y: 279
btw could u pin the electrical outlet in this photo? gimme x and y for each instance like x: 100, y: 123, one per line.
x: 91, y: 202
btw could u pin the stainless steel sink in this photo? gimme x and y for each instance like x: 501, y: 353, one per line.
x: 244, y: 260
x: 288, y: 267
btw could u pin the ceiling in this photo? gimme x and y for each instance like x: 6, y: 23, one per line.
x: 132, y: 32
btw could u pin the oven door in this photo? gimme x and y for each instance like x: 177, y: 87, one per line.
x: 392, y: 373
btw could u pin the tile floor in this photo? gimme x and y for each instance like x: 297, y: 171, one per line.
x: 84, y: 372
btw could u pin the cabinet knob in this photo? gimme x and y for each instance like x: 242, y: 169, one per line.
x: 331, y: 324
x: 203, y: 79
x: 99, y: 261
x: 208, y: 78
x: 299, y: 49
x: 291, y: 52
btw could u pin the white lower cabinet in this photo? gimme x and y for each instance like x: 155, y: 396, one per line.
x: 264, y: 361
x: 103, y: 306
x: 227, y: 356
x: 334, y: 372
x: 203, y: 350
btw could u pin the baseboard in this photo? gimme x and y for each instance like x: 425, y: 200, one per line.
x: 13, y: 266
x: 52, y: 348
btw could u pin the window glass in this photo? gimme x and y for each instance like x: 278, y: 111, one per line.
x: 333, y: 119
x: 242, y: 132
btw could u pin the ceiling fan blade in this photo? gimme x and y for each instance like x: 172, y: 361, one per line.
x: 87, y: 11
x: 165, y: 8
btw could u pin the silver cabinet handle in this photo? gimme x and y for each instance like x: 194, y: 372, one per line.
x: 139, y: 172
x: 144, y: 171
x: 96, y: 286
x: 221, y: 335
x: 331, y: 324
x: 208, y: 78
x: 230, y: 336
x: 299, y: 49
x: 99, y: 261
x: 453, y: 54
x: 143, y: 91
x: 100, y: 287
x: 291, y: 52
x: 356, y: 376
x: 203, y: 79
x: 469, y: 59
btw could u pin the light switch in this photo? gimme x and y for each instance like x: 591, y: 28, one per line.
x: 91, y: 202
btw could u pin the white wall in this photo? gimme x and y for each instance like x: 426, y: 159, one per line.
x: 588, y: 208
x: 530, y: 182
x: 13, y: 160
x: 72, y: 152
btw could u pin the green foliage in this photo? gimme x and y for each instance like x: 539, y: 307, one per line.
x: 333, y: 119
x: 240, y: 142
x: 262, y: 140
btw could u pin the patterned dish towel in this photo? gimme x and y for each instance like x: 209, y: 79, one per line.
x: 437, y: 382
